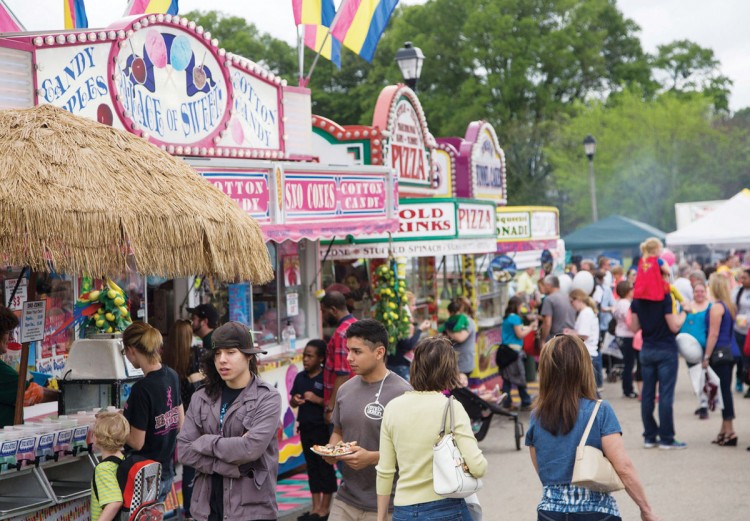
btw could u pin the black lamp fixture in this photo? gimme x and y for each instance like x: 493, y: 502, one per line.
x: 589, y: 146
x: 409, y: 60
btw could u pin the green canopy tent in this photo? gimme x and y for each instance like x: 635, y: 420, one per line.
x: 613, y: 233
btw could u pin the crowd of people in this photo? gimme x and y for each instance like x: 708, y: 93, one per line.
x: 208, y: 408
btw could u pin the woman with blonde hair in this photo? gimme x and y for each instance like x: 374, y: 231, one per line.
x: 719, y: 352
x: 154, y: 408
x: 587, y: 328
x: 433, y: 370
x: 567, y: 396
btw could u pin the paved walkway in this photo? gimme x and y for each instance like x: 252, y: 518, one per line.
x: 702, y: 483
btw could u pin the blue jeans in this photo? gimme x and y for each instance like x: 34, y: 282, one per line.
x: 441, y: 510
x: 658, y: 366
x: 546, y: 515
x: 597, y: 363
x: 628, y: 356
x: 522, y: 393
x: 164, y: 487
x: 188, y: 475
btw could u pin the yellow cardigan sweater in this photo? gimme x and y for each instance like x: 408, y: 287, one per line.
x: 410, y: 428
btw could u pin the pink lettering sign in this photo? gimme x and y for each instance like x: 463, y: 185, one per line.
x: 249, y: 189
x: 325, y: 196
x: 476, y: 220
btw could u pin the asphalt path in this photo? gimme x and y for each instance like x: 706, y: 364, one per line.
x: 704, y: 482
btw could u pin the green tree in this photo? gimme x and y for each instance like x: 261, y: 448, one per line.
x: 240, y: 37
x: 685, y: 67
x: 650, y: 155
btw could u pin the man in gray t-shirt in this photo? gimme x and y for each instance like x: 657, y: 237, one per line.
x: 357, y: 415
x: 556, y: 309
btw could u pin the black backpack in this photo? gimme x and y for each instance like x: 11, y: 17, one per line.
x: 139, y: 479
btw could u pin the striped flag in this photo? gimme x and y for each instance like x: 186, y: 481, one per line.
x: 74, y: 12
x: 360, y: 24
x: 152, y: 6
x: 8, y: 21
x: 315, y: 35
x: 317, y: 16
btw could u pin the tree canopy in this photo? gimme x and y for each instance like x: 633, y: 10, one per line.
x: 545, y: 73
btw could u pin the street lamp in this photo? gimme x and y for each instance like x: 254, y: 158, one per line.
x: 589, y: 146
x: 409, y: 60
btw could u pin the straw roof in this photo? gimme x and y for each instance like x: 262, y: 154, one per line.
x: 79, y: 197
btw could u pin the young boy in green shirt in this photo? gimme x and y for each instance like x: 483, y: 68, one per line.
x: 111, y: 430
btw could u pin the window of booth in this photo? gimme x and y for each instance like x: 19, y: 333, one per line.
x: 492, y: 295
x: 268, y: 307
x: 421, y: 281
x: 47, y: 356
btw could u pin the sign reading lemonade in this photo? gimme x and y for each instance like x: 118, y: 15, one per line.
x: 170, y: 85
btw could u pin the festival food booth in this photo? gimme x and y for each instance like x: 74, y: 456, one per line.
x: 443, y: 230
x: 525, y: 232
x: 166, y: 80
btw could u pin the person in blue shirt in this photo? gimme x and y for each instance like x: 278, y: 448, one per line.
x: 513, y: 334
x: 567, y: 396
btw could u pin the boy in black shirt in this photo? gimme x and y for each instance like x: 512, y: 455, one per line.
x: 307, y: 394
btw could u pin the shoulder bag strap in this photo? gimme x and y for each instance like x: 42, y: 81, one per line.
x: 448, y: 407
x: 590, y: 424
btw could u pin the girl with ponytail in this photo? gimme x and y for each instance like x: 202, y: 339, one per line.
x: 587, y: 328
x: 154, y: 408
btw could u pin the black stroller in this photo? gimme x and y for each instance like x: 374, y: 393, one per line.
x: 481, y: 411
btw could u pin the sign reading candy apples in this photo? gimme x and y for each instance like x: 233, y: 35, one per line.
x: 171, y: 85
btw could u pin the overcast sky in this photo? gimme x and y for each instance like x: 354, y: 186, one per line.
x: 718, y: 24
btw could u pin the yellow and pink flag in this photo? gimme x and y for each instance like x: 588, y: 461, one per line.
x: 74, y: 13
x: 152, y: 7
x: 8, y: 21
x: 360, y: 24
x: 316, y: 17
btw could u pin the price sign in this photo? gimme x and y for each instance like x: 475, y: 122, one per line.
x: 21, y: 293
x: 32, y: 324
x: 292, y: 304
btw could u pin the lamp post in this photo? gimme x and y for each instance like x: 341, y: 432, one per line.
x: 409, y: 60
x: 589, y: 146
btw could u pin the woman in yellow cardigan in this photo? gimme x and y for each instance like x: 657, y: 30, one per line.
x: 410, y: 428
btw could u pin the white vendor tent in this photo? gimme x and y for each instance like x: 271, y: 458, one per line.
x: 725, y: 227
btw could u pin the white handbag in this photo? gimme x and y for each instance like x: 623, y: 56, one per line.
x: 592, y: 469
x: 450, y: 475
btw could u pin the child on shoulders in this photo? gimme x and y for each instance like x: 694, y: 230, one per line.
x: 653, y: 273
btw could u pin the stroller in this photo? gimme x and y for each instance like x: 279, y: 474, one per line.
x: 481, y: 412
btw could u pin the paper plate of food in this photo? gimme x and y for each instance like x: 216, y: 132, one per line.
x: 342, y: 448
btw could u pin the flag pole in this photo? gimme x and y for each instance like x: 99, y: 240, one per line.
x: 301, y: 53
x: 305, y: 81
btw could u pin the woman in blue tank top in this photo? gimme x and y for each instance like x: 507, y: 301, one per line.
x: 720, y: 335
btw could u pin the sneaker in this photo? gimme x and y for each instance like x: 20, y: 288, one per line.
x: 675, y: 445
x: 702, y: 413
x: 738, y: 387
x: 650, y: 444
x: 747, y: 393
x: 631, y: 394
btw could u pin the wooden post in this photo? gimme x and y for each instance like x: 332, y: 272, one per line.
x: 22, y: 369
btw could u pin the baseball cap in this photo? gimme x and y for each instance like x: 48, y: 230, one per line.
x: 457, y: 322
x: 206, y: 311
x: 237, y: 335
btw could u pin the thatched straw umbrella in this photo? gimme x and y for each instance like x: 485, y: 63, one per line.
x: 79, y: 197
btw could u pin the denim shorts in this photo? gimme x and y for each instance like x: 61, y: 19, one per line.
x: 441, y: 510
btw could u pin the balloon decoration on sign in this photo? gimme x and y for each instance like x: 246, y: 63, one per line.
x: 156, y: 48
x: 566, y: 283
x: 502, y: 269
x: 181, y: 53
x: 390, y: 301
x: 584, y: 280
